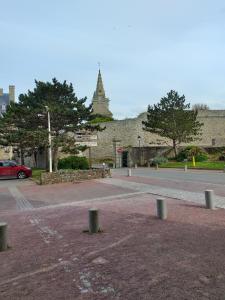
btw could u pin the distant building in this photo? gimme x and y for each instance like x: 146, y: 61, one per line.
x: 100, y: 102
x: 6, y: 98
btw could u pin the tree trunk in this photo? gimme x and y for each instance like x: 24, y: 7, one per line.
x: 35, y: 158
x: 175, y: 148
x: 21, y: 156
x: 55, y: 159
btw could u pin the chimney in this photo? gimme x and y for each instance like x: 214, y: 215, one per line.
x: 12, y: 93
x: 1, y: 92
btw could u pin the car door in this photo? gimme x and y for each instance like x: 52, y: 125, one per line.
x: 5, y: 169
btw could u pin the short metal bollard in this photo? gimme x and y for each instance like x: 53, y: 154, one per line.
x: 185, y: 168
x: 209, y: 201
x: 93, y: 221
x: 129, y: 172
x: 161, y: 208
x: 3, y: 236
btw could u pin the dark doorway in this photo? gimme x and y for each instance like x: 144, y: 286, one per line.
x: 125, y: 159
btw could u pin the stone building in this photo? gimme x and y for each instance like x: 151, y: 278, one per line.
x: 100, y: 103
x: 6, y: 98
x: 124, y: 142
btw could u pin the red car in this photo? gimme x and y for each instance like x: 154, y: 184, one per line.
x: 9, y: 168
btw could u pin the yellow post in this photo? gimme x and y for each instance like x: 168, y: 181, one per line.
x: 193, y: 161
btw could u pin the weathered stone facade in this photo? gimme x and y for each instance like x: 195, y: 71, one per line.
x: 124, y: 134
x: 6, y: 98
x: 100, y: 103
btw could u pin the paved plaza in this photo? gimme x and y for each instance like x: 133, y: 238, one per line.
x: 137, y: 256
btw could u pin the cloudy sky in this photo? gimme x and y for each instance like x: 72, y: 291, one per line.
x: 145, y: 47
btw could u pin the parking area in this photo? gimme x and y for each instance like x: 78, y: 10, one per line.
x: 137, y: 256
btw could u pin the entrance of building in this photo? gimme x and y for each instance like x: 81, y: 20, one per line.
x: 125, y: 159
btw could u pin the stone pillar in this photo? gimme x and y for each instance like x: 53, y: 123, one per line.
x: 128, y: 172
x: 3, y: 236
x: 117, y: 155
x: 209, y: 199
x: 93, y: 221
x: 161, y: 209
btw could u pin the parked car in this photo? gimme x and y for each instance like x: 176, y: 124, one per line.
x: 9, y: 168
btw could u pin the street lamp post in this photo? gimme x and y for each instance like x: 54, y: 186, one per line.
x: 139, y: 144
x: 49, y: 140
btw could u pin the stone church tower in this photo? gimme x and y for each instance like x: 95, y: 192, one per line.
x: 100, y: 103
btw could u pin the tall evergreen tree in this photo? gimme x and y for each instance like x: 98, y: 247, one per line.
x: 25, y: 123
x: 172, y: 118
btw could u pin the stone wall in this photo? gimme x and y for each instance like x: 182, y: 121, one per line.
x: 126, y: 132
x: 72, y: 176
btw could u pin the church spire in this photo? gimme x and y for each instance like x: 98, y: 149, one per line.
x: 100, y: 88
x: 100, y: 104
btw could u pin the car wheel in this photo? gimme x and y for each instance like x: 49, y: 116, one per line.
x: 21, y: 175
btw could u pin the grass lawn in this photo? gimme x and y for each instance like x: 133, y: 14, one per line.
x: 210, y: 165
x: 36, y: 173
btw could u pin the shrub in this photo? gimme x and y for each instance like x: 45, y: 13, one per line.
x: 201, y: 157
x: 158, y: 160
x: 189, y: 151
x: 222, y: 157
x: 73, y: 162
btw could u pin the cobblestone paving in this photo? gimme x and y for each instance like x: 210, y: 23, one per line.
x: 165, y: 192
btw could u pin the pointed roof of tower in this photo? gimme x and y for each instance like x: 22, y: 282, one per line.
x: 100, y: 88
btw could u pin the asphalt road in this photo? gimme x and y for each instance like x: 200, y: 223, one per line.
x: 215, y: 177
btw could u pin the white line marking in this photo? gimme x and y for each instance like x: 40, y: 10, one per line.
x: 110, y: 246
x: 39, y: 271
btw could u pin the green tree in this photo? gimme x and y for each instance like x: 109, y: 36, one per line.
x: 25, y: 122
x: 15, y: 131
x: 172, y: 118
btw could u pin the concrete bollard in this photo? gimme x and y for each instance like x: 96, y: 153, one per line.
x: 161, y: 208
x: 157, y: 167
x: 93, y: 221
x: 135, y: 166
x: 129, y: 172
x: 209, y: 201
x: 185, y: 168
x: 3, y: 236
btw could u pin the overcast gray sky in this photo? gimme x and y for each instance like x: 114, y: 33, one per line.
x: 145, y: 47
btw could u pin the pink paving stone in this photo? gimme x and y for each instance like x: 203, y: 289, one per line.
x: 144, y: 258
x: 69, y: 192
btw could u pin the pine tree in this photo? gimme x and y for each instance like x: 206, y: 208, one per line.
x: 172, y: 118
x: 25, y: 123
